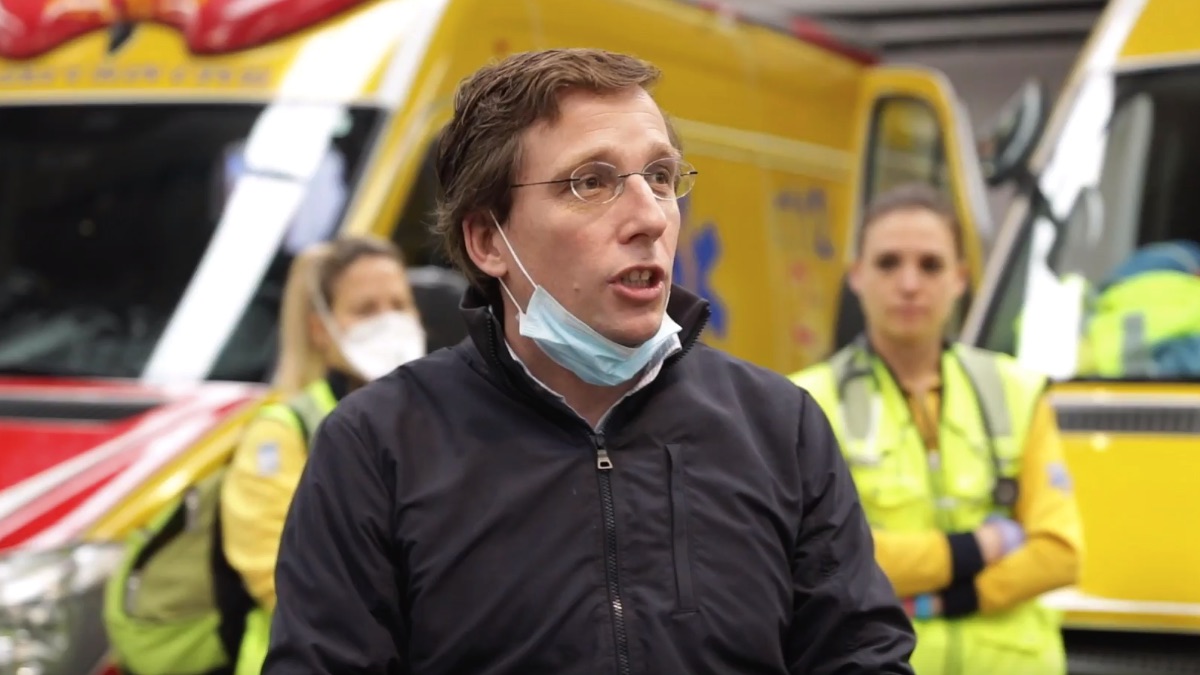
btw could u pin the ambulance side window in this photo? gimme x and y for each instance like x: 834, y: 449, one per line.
x: 906, y: 146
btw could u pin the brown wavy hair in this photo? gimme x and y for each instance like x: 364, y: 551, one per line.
x: 480, y: 149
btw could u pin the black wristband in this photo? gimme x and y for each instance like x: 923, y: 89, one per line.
x: 960, y: 600
x: 966, y: 558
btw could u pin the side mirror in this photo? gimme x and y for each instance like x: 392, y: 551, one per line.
x: 1015, y: 134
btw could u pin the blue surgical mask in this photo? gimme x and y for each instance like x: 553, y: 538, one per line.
x: 576, y: 346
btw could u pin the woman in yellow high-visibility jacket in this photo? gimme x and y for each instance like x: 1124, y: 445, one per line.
x: 955, y: 453
x: 348, y: 317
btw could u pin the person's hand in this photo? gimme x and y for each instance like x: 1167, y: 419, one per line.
x: 998, y: 537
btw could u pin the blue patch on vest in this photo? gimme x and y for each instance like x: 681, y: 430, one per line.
x: 1060, y: 478
x: 267, y: 457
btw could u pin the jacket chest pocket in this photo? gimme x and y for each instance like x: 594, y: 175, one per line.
x: 970, y: 468
x: 681, y: 533
x: 892, y: 480
x: 969, y: 479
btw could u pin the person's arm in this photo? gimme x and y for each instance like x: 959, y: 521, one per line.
x: 338, y: 607
x: 255, y: 496
x: 846, y: 617
x: 1046, y: 508
x: 927, y: 562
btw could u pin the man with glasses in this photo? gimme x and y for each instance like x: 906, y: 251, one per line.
x: 582, y: 486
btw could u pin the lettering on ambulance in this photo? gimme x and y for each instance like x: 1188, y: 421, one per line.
x: 695, y: 259
x: 804, y: 235
x: 812, y: 211
x: 127, y: 75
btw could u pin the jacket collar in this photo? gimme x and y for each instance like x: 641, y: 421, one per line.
x: 485, y: 325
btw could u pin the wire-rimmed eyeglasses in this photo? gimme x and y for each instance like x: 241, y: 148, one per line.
x: 601, y: 182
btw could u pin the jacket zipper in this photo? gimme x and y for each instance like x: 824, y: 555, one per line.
x: 604, y: 466
x: 611, y: 567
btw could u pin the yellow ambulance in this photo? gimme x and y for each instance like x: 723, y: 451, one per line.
x: 161, y: 162
x: 1113, y: 177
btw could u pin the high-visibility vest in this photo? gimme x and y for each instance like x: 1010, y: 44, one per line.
x: 304, y: 412
x: 988, y: 403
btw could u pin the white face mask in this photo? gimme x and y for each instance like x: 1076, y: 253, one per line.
x: 376, y: 346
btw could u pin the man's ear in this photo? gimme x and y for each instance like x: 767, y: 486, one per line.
x: 483, y: 244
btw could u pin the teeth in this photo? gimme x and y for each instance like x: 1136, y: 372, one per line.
x: 637, y: 278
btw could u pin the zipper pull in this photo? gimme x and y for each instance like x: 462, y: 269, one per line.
x: 603, y: 461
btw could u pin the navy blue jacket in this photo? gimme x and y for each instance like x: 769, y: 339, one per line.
x: 453, y: 519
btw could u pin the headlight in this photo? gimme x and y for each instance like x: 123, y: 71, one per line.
x: 51, y: 608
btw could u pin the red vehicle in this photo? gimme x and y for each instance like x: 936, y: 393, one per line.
x: 141, y: 263
x: 73, y: 450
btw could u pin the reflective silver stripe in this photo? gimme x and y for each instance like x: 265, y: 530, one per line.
x: 856, y: 408
x: 840, y: 364
x: 854, y: 392
x: 984, y: 374
x: 1135, y: 355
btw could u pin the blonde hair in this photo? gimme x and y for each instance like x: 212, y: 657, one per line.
x: 314, y: 272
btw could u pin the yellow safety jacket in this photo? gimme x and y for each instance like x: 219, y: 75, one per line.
x: 992, y: 433
x: 1134, y: 316
x: 255, y: 497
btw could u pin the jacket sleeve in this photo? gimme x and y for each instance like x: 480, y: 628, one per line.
x: 1047, y: 510
x: 846, y: 617
x: 927, y: 562
x: 255, y: 495
x: 338, y: 605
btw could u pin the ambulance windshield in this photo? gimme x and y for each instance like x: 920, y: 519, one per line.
x: 152, y: 241
x: 1102, y: 281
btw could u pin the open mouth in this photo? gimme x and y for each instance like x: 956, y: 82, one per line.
x: 640, y: 277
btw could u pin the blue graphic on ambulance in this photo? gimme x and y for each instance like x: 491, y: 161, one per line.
x: 696, y: 258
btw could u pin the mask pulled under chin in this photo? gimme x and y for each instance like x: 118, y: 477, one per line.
x: 376, y: 346
x: 576, y: 346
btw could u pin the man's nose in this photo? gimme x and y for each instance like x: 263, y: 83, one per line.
x: 645, y: 213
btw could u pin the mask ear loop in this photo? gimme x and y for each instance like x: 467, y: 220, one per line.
x: 516, y: 258
x: 324, y: 313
